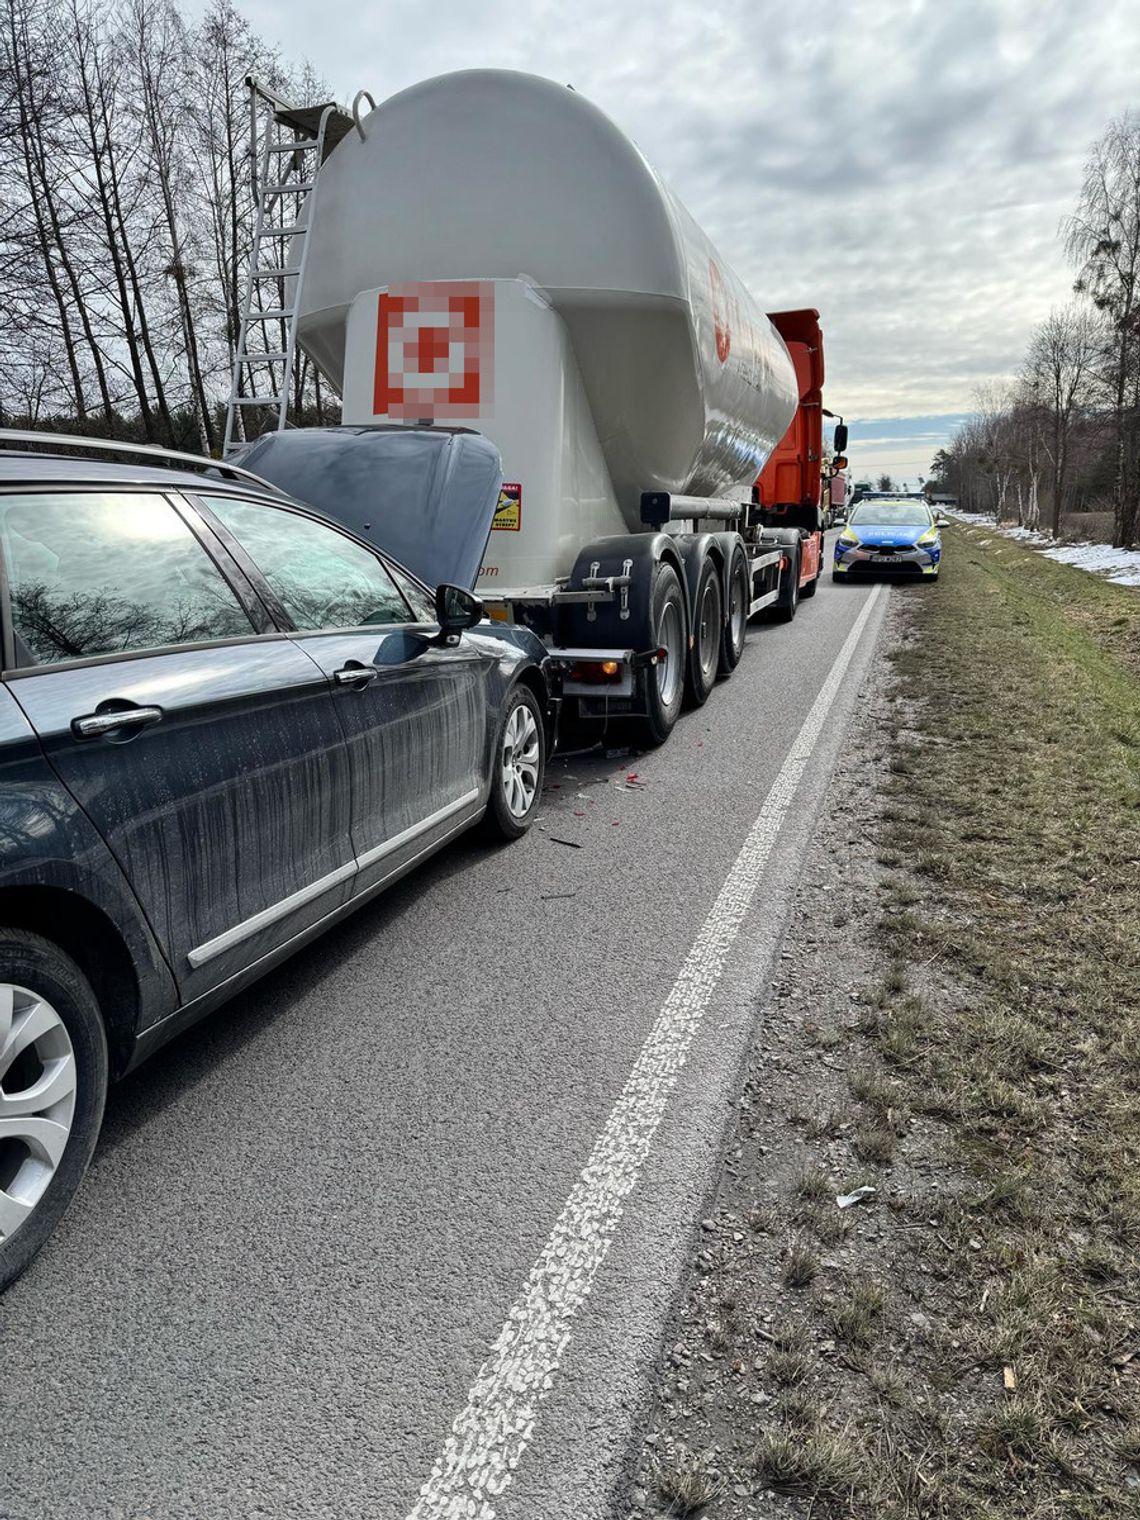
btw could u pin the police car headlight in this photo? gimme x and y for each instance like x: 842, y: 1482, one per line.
x: 928, y: 538
x: 848, y: 539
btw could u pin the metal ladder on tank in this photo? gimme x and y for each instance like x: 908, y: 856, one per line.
x: 289, y: 145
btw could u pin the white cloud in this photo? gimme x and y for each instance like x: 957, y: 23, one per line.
x: 901, y: 165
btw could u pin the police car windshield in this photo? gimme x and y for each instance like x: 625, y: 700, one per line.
x: 891, y: 514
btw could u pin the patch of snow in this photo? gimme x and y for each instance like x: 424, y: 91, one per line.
x: 1121, y: 566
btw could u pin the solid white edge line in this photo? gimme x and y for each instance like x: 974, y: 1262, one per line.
x: 490, y: 1434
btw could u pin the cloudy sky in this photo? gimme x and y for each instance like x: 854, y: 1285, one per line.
x: 901, y: 165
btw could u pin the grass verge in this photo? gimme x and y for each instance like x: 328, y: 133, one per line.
x: 1011, y: 1014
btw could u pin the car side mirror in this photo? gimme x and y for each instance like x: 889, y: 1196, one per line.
x: 456, y: 610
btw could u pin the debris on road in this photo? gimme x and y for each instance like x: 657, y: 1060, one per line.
x: 848, y: 1200
x: 571, y: 844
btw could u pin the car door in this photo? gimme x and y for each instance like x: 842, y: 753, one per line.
x: 202, y: 744
x: 414, y: 711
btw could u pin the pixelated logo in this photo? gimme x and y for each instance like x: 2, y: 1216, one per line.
x: 508, y: 514
x: 435, y: 351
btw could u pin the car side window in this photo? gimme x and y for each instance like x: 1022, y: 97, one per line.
x: 421, y: 602
x: 322, y: 578
x: 104, y: 572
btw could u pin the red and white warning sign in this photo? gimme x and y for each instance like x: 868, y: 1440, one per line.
x: 435, y: 351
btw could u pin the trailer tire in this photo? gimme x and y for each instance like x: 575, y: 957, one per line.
x: 736, y: 616
x: 785, y: 609
x: 665, y: 682
x: 708, y: 626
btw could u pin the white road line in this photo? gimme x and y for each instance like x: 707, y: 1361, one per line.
x: 490, y: 1435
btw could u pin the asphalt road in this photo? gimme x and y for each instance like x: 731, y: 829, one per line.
x: 308, y: 1220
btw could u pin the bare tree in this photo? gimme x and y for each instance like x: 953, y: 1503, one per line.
x: 1102, y: 239
x: 1059, y: 372
x: 158, y: 46
x: 29, y: 41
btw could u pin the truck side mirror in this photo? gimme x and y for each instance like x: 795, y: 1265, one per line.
x: 840, y: 444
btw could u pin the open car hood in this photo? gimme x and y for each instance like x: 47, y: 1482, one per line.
x: 424, y: 495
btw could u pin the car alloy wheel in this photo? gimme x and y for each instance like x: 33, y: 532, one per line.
x: 521, y: 758
x: 37, y: 1101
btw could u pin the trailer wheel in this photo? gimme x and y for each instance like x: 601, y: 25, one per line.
x: 708, y: 625
x: 665, y: 681
x: 785, y: 609
x: 736, y: 623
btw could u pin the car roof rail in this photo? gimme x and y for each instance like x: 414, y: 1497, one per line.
x: 151, y: 451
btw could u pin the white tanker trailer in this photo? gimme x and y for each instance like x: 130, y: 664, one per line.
x: 488, y: 251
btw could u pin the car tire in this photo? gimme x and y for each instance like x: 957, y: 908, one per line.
x: 664, y: 682
x: 708, y: 627
x: 53, y: 1049
x: 736, y: 619
x: 517, y: 767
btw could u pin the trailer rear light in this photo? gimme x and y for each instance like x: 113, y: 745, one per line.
x: 595, y: 672
x: 497, y: 613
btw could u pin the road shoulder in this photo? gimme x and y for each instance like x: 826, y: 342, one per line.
x: 961, y: 1341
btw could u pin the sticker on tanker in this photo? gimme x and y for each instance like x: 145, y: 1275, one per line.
x: 435, y: 351
x: 508, y: 514
x: 721, y: 326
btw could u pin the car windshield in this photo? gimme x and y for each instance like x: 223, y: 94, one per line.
x: 892, y: 514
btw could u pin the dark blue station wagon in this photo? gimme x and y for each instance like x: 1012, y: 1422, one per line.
x: 225, y: 722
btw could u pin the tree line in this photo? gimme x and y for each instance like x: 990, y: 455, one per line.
x: 126, y: 214
x: 1064, y: 435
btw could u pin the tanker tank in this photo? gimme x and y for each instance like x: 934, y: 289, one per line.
x: 495, y: 175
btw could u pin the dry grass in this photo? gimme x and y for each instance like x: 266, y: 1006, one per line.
x: 686, y: 1483
x: 1017, y: 809
x: 813, y: 1183
x: 823, y: 1220
x: 876, y: 1144
x: 857, y: 1317
x: 800, y: 1265
x: 815, y: 1462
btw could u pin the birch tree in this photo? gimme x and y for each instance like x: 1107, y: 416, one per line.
x: 1059, y: 371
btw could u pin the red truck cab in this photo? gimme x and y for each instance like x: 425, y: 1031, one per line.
x: 788, y: 490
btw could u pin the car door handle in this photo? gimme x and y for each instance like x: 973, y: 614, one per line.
x: 98, y: 724
x: 354, y: 674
